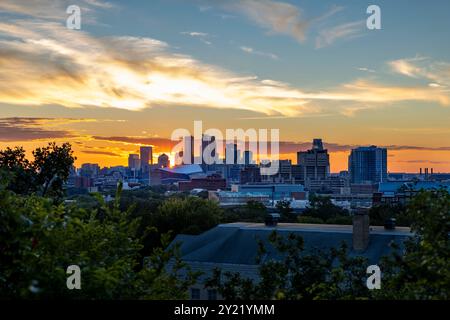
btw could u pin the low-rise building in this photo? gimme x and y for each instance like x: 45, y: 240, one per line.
x: 234, y: 247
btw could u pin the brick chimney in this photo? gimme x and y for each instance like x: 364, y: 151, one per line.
x: 360, y: 231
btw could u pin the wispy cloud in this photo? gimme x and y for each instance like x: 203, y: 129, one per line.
x: 349, y: 30
x: 102, y: 153
x: 25, y: 129
x: 202, y: 36
x: 54, y: 10
x: 364, y: 69
x: 419, y: 67
x: 44, y: 63
x: 423, y: 161
x: 275, y: 16
x: 250, y: 50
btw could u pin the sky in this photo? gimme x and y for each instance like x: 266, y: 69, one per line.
x: 138, y: 70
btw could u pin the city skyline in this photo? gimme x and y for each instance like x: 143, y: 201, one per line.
x: 311, y: 70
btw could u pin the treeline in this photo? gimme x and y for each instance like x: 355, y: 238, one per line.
x: 121, y: 245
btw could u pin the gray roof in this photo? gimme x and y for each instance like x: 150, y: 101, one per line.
x: 184, y: 169
x: 237, y: 243
x: 394, y: 186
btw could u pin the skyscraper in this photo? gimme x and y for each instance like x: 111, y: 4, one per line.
x: 186, y: 156
x: 208, y: 144
x: 248, y: 157
x: 163, y: 161
x: 146, y: 158
x: 314, y: 163
x: 368, y: 165
x: 231, y: 153
x: 134, y: 163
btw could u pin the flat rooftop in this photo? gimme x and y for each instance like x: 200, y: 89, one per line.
x: 305, y: 227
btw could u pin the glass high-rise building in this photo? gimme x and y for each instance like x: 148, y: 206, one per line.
x: 368, y: 165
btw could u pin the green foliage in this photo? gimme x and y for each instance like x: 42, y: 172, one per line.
x: 379, y: 214
x: 285, y: 210
x: 189, y: 215
x: 418, y: 271
x: 322, y: 207
x: 298, y: 275
x: 45, y: 174
x: 422, y: 270
x: 308, y: 219
x: 39, y: 240
x: 17, y: 170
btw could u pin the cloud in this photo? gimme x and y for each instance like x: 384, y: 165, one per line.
x: 195, y: 34
x: 25, y: 129
x: 423, y: 161
x: 364, y: 69
x: 348, y: 30
x: 275, y: 16
x: 44, y: 63
x: 54, y: 10
x: 423, y: 68
x: 285, y: 147
x: 202, y: 36
x: 250, y: 50
x: 54, y: 65
x: 160, y: 143
x: 102, y: 153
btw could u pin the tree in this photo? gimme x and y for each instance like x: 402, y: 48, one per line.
x: 417, y: 270
x: 253, y: 211
x: 21, y: 178
x: 39, y: 240
x: 300, y: 274
x: 322, y: 208
x: 286, y: 212
x: 420, y: 270
x: 190, y: 215
x: 45, y: 174
x: 381, y: 213
x: 52, y: 165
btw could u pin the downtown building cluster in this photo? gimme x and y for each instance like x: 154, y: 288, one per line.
x: 239, y: 179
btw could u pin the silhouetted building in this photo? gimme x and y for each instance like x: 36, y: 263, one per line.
x: 163, y: 161
x: 146, y: 158
x: 210, y: 143
x: 89, y: 170
x: 314, y: 163
x: 133, y: 162
x: 368, y: 165
x: 248, y: 157
x: 213, y: 182
x: 231, y: 153
x: 250, y: 174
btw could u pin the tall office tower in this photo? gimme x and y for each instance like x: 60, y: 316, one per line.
x: 163, y: 161
x: 89, y: 169
x: 315, y: 163
x: 187, y: 155
x: 317, y: 144
x: 285, y: 170
x: 231, y: 153
x: 368, y: 165
x: 146, y: 158
x: 133, y: 162
x: 210, y: 143
x: 248, y: 157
